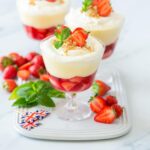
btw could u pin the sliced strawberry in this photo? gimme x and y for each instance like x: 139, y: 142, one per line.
x: 45, y: 77
x: 51, y: 0
x: 68, y: 85
x: 36, y: 70
x: 23, y: 74
x: 55, y: 82
x: 96, y: 2
x: 100, y: 88
x: 82, y: 31
x: 76, y: 79
x: 4, y: 62
x: 38, y: 60
x: 79, y: 37
x: 111, y: 100
x: 9, y: 85
x: 106, y: 115
x: 104, y: 8
x: 31, y: 55
x: 118, y: 109
x: 97, y: 104
x: 26, y: 66
x: 10, y: 72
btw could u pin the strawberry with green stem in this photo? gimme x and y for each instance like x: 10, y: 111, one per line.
x: 4, y: 62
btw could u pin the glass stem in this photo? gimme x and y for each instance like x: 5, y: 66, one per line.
x: 71, y: 104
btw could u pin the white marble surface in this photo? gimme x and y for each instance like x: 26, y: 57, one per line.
x: 131, y: 58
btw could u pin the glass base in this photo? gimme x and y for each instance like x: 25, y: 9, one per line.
x: 79, y: 111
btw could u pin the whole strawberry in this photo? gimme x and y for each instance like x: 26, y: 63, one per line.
x: 10, y: 72
x: 38, y: 60
x: 4, y: 62
x: 31, y: 55
x: 9, y: 85
x: 36, y: 70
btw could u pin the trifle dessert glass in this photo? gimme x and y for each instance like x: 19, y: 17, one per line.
x: 40, y: 17
x: 72, y: 59
x: 98, y: 17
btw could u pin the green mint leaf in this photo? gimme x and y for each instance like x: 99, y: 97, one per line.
x: 86, y: 4
x: 65, y: 34
x: 46, y: 101
x: 56, y: 93
x: 95, y: 88
x: 22, y: 91
x: 58, y: 44
x: 20, y: 102
x: 58, y: 35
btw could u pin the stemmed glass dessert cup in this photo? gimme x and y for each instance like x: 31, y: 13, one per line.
x: 104, y: 27
x: 72, y: 73
x: 40, y: 17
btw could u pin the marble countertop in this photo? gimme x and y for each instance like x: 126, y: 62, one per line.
x: 131, y: 58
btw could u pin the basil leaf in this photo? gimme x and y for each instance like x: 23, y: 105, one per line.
x: 58, y: 44
x: 86, y: 4
x: 55, y: 93
x: 46, y: 101
x: 20, y: 102
x: 21, y: 91
x: 65, y: 34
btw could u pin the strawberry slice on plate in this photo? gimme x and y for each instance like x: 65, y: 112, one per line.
x: 97, y: 104
x: 111, y: 100
x: 106, y: 115
x: 118, y: 109
x: 100, y: 88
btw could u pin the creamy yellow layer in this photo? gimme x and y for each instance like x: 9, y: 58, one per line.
x: 43, y: 14
x: 106, y: 29
x: 78, y: 62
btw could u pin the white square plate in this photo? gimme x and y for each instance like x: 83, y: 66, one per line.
x: 53, y: 128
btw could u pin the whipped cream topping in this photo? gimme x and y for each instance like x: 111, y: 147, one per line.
x: 42, y: 14
x: 105, y: 26
x: 77, y: 62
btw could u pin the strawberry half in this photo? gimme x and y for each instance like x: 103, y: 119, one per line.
x: 100, y: 88
x: 26, y: 66
x: 9, y: 85
x: 111, y: 100
x: 97, y: 104
x: 23, y: 74
x: 106, y: 115
x: 79, y: 37
x: 118, y: 109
